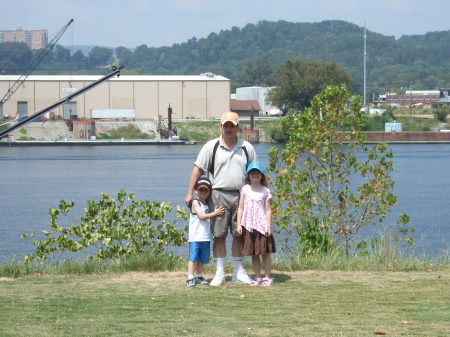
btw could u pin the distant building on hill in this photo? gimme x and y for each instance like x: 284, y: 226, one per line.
x: 35, y: 39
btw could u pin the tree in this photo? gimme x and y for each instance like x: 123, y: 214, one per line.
x: 100, y: 56
x: 298, y: 80
x: 325, y: 191
x: 14, y: 57
x: 124, y: 55
x: 440, y: 113
x: 79, y: 58
x: 257, y: 72
x: 62, y: 54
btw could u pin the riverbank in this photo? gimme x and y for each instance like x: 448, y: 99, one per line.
x: 306, y: 303
x: 372, y: 137
x: 426, y: 137
x: 98, y: 142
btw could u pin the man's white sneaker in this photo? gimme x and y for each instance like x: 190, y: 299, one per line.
x: 217, y: 280
x: 241, y: 276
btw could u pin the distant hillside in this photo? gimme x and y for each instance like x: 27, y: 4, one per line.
x: 417, y: 61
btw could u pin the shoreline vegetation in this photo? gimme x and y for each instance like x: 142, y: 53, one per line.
x: 147, y: 262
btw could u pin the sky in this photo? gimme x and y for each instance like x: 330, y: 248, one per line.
x: 131, y: 23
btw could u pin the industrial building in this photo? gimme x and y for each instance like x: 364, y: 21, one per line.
x: 132, y: 97
x: 259, y: 94
x: 417, y: 97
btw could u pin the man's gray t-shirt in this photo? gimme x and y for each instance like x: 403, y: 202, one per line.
x: 230, y: 166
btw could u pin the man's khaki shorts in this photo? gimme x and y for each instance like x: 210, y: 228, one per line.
x: 226, y: 222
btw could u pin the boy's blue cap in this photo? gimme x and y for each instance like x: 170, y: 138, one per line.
x: 255, y: 165
x: 203, y: 182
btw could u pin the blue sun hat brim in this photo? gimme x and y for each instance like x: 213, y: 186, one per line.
x: 255, y: 165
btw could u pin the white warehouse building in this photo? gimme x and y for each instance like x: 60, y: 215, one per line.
x: 140, y: 97
x: 259, y: 94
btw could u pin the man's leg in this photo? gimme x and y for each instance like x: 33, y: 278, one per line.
x: 219, y: 253
x: 219, y: 248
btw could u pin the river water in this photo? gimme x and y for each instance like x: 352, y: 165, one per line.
x: 34, y: 179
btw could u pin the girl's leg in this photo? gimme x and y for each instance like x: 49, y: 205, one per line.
x: 267, y: 265
x: 256, y: 266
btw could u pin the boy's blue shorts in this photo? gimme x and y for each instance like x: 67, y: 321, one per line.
x: 199, y: 251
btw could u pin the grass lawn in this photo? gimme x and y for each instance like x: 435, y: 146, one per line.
x: 305, y: 303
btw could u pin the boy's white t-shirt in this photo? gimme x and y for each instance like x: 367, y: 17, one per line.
x: 199, y: 230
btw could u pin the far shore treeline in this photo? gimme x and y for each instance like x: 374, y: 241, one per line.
x: 248, y: 56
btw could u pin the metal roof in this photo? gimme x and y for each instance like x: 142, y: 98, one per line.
x: 122, y: 78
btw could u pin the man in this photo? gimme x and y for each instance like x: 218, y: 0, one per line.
x: 225, y: 160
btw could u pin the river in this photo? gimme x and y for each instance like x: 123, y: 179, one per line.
x: 34, y: 179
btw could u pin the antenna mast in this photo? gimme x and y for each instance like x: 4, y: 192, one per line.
x: 365, y: 37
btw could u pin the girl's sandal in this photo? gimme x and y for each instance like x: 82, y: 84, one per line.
x: 267, y: 282
x: 256, y: 282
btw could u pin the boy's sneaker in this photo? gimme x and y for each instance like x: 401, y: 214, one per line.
x: 201, y: 280
x: 218, y: 280
x: 190, y: 282
x: 241, y: 276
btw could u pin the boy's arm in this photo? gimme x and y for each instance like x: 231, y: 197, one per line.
x: 203, y: 216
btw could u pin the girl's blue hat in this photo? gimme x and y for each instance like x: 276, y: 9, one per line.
x: 255, y: 165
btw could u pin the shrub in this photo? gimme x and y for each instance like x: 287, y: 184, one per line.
x: 115, y: 227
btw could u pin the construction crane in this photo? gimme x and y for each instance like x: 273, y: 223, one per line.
x: 115, y: 72
x: 35, y: 63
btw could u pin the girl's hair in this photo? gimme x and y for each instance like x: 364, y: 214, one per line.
x: 264, y: 181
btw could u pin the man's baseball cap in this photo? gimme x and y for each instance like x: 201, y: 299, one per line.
x: 229, y: 116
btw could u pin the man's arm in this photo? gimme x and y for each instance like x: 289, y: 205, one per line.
x: 196, y: 173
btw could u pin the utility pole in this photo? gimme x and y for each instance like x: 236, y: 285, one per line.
x: 252, y: 118
x: 365, y: 37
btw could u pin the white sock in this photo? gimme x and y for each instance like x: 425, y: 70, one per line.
x: 190, y: 277
x: 237, y: 262
x: 220, y: 265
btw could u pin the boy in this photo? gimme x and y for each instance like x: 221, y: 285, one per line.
x: 200, y: 232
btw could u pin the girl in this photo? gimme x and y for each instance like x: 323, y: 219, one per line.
x: 254, y: 222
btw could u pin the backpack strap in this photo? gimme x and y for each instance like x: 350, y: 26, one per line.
x: 211, y: 166
x: 246, y: 154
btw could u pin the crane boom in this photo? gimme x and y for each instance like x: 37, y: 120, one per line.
x: 35, y: 63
